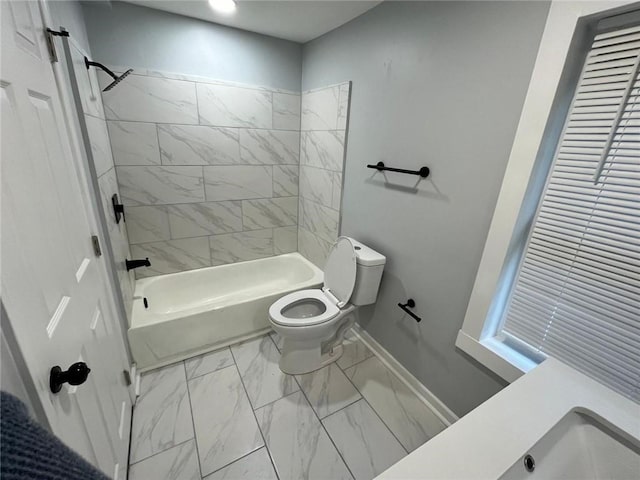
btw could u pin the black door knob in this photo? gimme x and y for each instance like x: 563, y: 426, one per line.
x: 76, y: 375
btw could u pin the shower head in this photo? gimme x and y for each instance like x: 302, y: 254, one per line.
x: 116, y: 79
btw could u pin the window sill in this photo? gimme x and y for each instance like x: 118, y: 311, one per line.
x: 496, y: 356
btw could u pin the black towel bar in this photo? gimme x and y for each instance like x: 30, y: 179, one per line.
x: 410, y: 303
x: 423, y: 172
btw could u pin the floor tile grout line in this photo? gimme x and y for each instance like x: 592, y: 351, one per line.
x: 357, y: 363
x: 205, y: 354
x: 276, y: 400
x: 128, y: 465
x: 264, y: 441
x: 380, y: 418
x: 162, y: 451
x: 374, y: 410
x: 276, y: 345
x: 234, y: 364
x: 236, y: 461
x: 362, y: 397
x: 428, y: 406
x: 140, y: 397
x: 212, y: 371
x: 242, y: 378
x: 274, y: 342
x: 341, y: 408
x: 193, y: 422
x: 325, y: 430
x: 194, y: 438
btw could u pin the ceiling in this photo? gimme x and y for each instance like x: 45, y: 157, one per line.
x: 299, y: 21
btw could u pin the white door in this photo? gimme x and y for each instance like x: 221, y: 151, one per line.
x: 52, y: 285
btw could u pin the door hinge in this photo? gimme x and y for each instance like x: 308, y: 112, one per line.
x: 49, y: 34
x: 96, y: 245
x: 127, y: 377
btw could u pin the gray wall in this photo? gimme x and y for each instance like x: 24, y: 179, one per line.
x: 439, y: 84
x: 69, y: 14
x: 124, y: 34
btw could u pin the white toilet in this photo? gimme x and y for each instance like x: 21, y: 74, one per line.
x: 313, y: 322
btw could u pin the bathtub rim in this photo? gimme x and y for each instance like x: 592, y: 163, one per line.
x: 142, y: 318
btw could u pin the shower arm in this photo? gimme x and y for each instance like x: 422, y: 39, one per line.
x: 88, y: 63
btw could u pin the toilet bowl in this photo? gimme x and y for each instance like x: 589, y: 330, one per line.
x: 313, y: 322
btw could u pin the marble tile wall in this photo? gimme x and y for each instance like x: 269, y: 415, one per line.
x: 324, y: 114
x: 208, y: 171
x: 96, y: 124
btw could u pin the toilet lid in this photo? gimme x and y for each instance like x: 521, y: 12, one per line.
x: 340, y: 270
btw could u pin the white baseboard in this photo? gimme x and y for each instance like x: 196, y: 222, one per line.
x: 137, y: 385
x: 134, y: 376
x: 423, y: 393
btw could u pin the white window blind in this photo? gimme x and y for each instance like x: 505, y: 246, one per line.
x: 576, y: 296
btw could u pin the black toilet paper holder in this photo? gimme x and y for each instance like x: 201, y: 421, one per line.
x: 410, y: 304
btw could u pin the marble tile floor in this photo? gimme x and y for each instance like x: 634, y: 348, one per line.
x: 232, y: 414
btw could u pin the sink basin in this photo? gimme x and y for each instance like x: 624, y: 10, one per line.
x: 579, y: 447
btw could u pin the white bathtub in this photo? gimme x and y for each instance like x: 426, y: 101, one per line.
x: 192, y: 312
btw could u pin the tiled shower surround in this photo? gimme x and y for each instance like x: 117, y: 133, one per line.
x: 209, y: 171
x: 322, y: 151
x: 94, y: 118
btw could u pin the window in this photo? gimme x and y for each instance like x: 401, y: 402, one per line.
x: 576, y: 294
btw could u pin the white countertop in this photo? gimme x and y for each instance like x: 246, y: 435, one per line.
x: 487, y: 441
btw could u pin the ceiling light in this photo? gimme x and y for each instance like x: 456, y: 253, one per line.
x: 223, y: 6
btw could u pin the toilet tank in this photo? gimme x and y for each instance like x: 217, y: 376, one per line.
x: 369, y: 267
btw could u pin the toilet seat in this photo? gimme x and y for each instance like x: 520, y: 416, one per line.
x: 323, y: 304
x: 290, y: 300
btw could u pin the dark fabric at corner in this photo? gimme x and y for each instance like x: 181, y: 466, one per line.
x: 28, y: 451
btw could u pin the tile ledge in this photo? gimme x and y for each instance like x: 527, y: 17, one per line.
x: 186, y: 77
